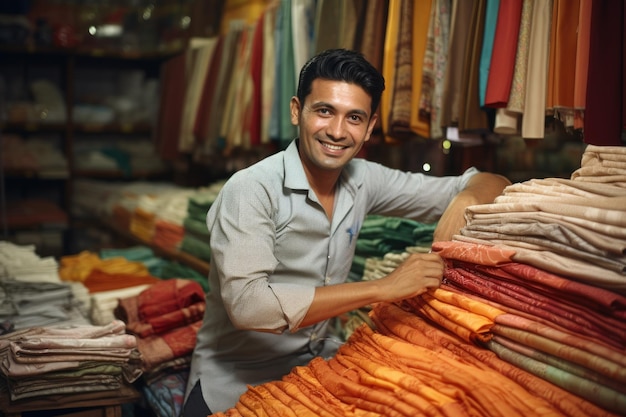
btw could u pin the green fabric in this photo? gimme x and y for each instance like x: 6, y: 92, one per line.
x: 195, y: 226
x: 381, y: 235
x: 196, y: 247
x: 589, y: 390
x: 177, y: 270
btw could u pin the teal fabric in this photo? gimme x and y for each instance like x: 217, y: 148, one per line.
x: 491, y: 18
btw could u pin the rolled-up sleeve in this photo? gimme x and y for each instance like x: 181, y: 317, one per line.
x: 243, y: 240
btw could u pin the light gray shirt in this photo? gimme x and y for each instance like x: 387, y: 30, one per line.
x: 271, y: 245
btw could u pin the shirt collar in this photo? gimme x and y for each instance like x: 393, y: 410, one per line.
x: 295, y: 177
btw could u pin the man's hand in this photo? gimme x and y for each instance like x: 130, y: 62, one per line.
x: 416, y: 275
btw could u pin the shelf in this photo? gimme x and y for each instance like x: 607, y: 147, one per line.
x: 116, y: 127
x: 100, y: 53
x: 33, y: 127
x: 36, y: 174
x: 119, y: 175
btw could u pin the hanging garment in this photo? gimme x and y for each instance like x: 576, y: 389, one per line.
x: 503, y: 55
x: 533, y: 122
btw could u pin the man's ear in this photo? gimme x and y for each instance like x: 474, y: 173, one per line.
x: 371, y: 126
x: 294, y: 107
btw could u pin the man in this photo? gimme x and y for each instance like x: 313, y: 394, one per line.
x: 283, y: 235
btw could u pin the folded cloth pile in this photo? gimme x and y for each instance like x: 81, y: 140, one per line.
x: 165, y: 318
x: 55, y: 361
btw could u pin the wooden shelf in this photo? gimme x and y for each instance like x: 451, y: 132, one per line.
x: 107, y: 404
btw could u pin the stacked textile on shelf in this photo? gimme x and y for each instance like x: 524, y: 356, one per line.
x: 530, y: 319
x: 168, y: 216
x: 165, y: 318
x: 107, y: 279
x: 195, y: 239
x: 32, y: 293
x: 59, y: 363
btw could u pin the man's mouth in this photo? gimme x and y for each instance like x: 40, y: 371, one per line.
x: 332, y: 147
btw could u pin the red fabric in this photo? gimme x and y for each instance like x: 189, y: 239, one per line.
x: 603, y: 108
x: 170, y: 109
x: 503, y: 53
x: 167, y: 296
x: 513, y: 297
x: 201, y: 130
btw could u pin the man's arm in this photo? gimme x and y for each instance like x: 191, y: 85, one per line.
x: 413, y: 277
x: 482, y: 188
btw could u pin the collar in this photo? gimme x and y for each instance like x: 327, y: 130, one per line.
x: 352, y: 175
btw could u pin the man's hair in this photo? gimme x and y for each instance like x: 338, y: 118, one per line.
x: 342, y: 65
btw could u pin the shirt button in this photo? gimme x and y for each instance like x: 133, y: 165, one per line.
x: 327, y: 280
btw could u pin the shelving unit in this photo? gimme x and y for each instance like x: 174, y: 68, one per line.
x: 73, y: 73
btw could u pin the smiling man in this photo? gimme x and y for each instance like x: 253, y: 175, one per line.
x: 283, y: 235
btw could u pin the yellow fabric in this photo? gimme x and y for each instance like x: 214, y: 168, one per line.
x: 391, y: 40
x: 78, y: 267
x: 421, y: 17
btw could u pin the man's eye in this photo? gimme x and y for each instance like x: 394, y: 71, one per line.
x: 355, y: 118
x: 324, y: 111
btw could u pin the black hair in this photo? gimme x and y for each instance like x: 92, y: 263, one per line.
x: 342, y: 65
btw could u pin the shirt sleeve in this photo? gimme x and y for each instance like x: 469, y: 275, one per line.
x: 243, y: 237
x: 416, y: 196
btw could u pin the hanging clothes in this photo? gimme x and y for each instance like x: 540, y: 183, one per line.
x: 605, y: 81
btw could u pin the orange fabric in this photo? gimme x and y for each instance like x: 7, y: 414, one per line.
x: 480, y: 254
x: 582, y: 60
x: 563, y: 44
x: 99, y: 280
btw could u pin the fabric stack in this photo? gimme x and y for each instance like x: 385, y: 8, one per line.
x: 61, y: 363
x: 575, y: 227
x: 382, y: 236
x: 106, y: 279
x: 31, y: 292
x: 165, y: 318
x: 196, y: 235
x: 407, y: 366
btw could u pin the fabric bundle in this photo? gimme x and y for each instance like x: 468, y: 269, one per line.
x: 59, y: 362
x: 165, y: 318
x: 567, y: 332
x: 380, y: 237
x: 32, y: 293
x: 530, y: 318
x: 407, y: 366
x: 195, y: 239
x: 575, y: 227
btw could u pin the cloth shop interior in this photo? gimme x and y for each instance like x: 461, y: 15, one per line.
x: 120, y: 122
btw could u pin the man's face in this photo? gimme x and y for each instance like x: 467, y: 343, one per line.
x: 334, y: 121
